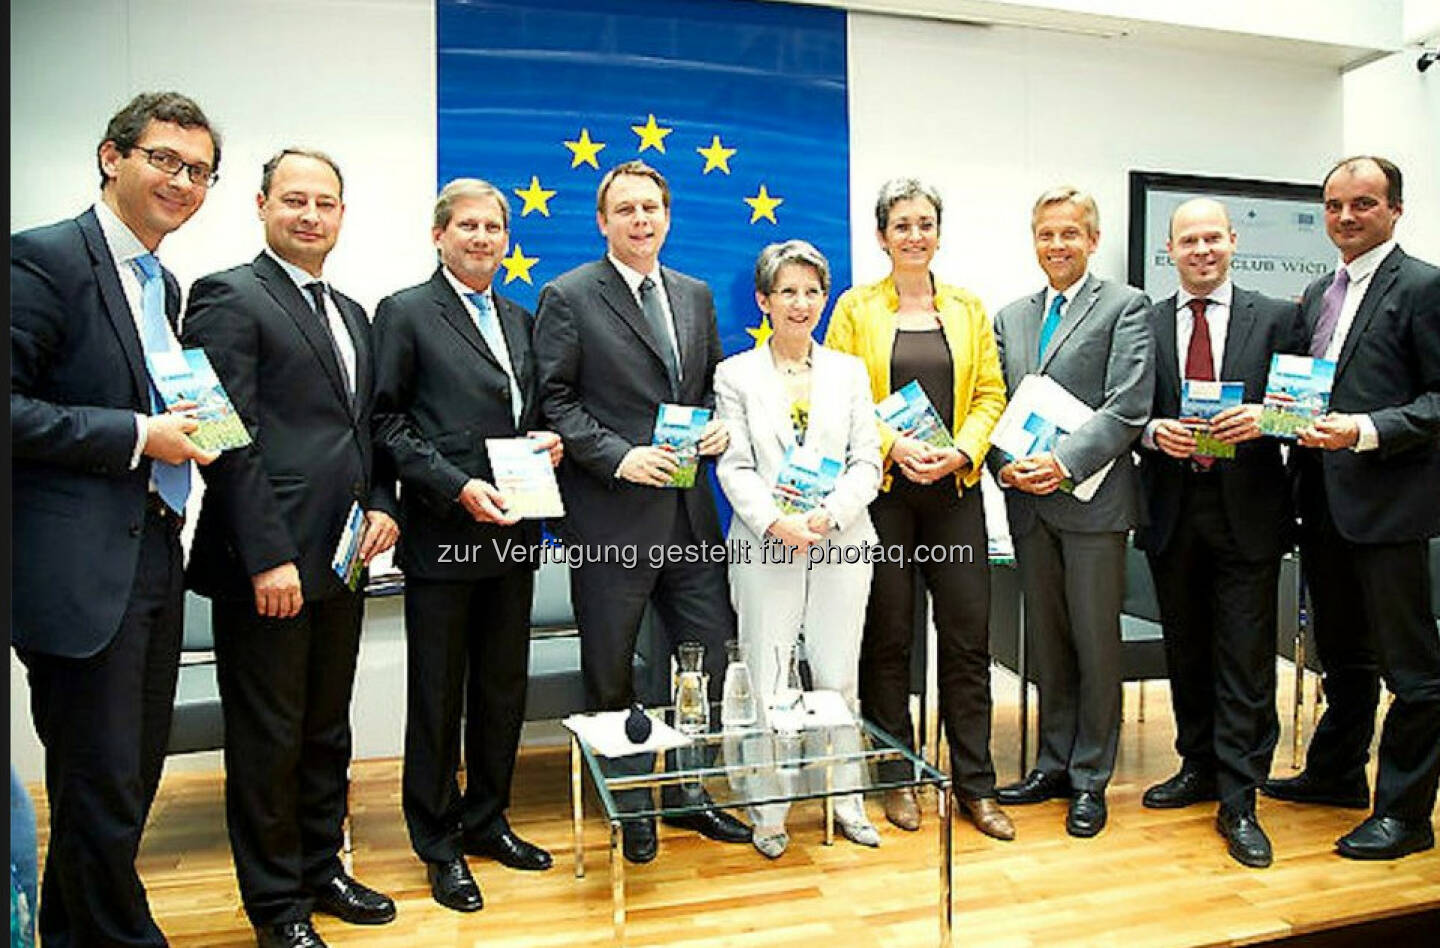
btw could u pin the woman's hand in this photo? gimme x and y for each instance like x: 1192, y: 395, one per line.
x: 908, y: 452
x: 939, y: 464
x: 793, y: 530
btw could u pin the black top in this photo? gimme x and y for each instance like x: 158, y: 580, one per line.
x: 923, y: 355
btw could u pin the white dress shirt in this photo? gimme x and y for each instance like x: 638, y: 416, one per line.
x: 633, y: 279
x: 1361, y: 269
x: 124, y: 247
x: 338, y: 329
x: 503, y: 347
x: 1217, y: 318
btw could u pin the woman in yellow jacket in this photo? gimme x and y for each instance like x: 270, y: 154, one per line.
x: 911, y: 327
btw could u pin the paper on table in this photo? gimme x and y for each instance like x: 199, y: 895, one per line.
x: 604, y: 732
x: 816, y: 709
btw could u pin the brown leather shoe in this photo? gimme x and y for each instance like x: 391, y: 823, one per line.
x: 901, y: 809
x: 988, y: 818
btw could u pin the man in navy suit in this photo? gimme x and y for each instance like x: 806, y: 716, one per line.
x: 295, y: 356
x: 1368, y: 490
x: 613, y: 340
x: 99, y: 485
x: 454, y: 368
x: 1217, y: 529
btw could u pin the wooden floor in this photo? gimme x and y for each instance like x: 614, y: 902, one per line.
x: 1151, y: 878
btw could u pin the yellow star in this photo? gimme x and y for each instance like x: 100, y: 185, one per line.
x: 536, y: 198
x: 584, y: 150
x: 761, y: 332
x: 651, y: 135
x: 763, y: 205
x: 716, y: 156
x: 518, y: 265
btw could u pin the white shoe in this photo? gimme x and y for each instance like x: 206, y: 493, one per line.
x: 860, y: 831
x: 770, y: 842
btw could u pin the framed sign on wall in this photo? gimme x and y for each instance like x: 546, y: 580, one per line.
x: 1280, y: 229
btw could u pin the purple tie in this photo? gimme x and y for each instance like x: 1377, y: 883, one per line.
x: 1330, y: 306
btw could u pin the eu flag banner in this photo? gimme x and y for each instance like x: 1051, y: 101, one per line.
x: 741, y: 105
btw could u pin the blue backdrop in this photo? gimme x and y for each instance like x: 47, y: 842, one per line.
x: 742, y: 106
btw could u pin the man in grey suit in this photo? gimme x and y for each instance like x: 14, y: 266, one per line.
x: 1090, y: 336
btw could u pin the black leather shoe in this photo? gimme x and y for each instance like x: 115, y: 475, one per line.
x: 350, y: 901
x: 1386, y: 837
x: 1087, y: 814
x: 288, y: 935
x: 1352, y: 794
x: 453, y: 886
x: 1187, y: 787
x: 716, y: 824
x: 640, y: 843
x: 1248, y: 843
x: 1037, y: 787
x: 510, y: 850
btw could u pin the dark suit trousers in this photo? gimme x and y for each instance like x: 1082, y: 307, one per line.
x: 692, y: 601
x: 1218, y: 610
x: 285, y: 687
x: 1074, y: 585
x: 468, y: 650
x: 1372, y: 620
x: 105, y: 724
x: 911, y: 516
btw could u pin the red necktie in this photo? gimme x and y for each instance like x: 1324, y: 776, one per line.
x: 1199, y: 362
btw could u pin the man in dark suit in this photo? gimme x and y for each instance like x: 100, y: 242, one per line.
x: 1368, y: 489
x: 1217, y: 529
x: 453, y: 367
x: 1089, y: 335
x: 99, y: 483
x: 613, y: 340
x: 295, y: 356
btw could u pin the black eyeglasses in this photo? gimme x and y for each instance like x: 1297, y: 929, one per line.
x: 163, y: 159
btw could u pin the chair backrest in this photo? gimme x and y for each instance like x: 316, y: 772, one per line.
x: 198, y: 636
x: 550, y: 606
x: 1140, y: 599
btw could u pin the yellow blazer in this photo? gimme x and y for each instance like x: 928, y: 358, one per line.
x: 863, y: 324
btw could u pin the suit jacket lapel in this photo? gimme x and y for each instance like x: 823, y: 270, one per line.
x: 770, y: 395
x: 354, y: 318
x: 826, y: 414
x: 1380, y: 283
x: 687, y: 328
x: 116, y: 306
x: 1074, y: 313
x: 1030, y: 334
x: 1167, y: 358
x: 516, y: 329
x: 287, y: 295
x: 453, y: 311
x: 616, y: 294
x: 1237, y: 334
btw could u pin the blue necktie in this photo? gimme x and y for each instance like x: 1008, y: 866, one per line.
x: 172, y: 481
x: 489, y: 325
x: 1048, y: 327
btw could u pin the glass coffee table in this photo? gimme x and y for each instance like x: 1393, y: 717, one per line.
x: 744, y: 767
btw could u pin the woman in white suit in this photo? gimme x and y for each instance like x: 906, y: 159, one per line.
x: 791, y: 391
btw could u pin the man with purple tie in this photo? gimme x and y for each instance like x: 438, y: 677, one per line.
x: 1369, y: 497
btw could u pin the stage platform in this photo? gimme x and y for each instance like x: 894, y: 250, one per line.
x: 1152, y: 878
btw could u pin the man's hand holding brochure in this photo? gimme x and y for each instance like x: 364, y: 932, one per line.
x: 1039, y: 414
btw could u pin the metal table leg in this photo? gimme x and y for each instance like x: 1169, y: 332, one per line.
x: 617, y: 882
x: 829, y: 792
x: 1022, y: 661
x: 577, y: 807
x: 946, y: 801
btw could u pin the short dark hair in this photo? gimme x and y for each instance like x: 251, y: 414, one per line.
x: 1394, y: 181
x: 466, y: 188
x: 637, y: 168
x: 267, y: 173
x: 127, y: 125
x: 895, y: 190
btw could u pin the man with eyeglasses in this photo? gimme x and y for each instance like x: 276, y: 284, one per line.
x: 100, y: 479
x: 296, y: 358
